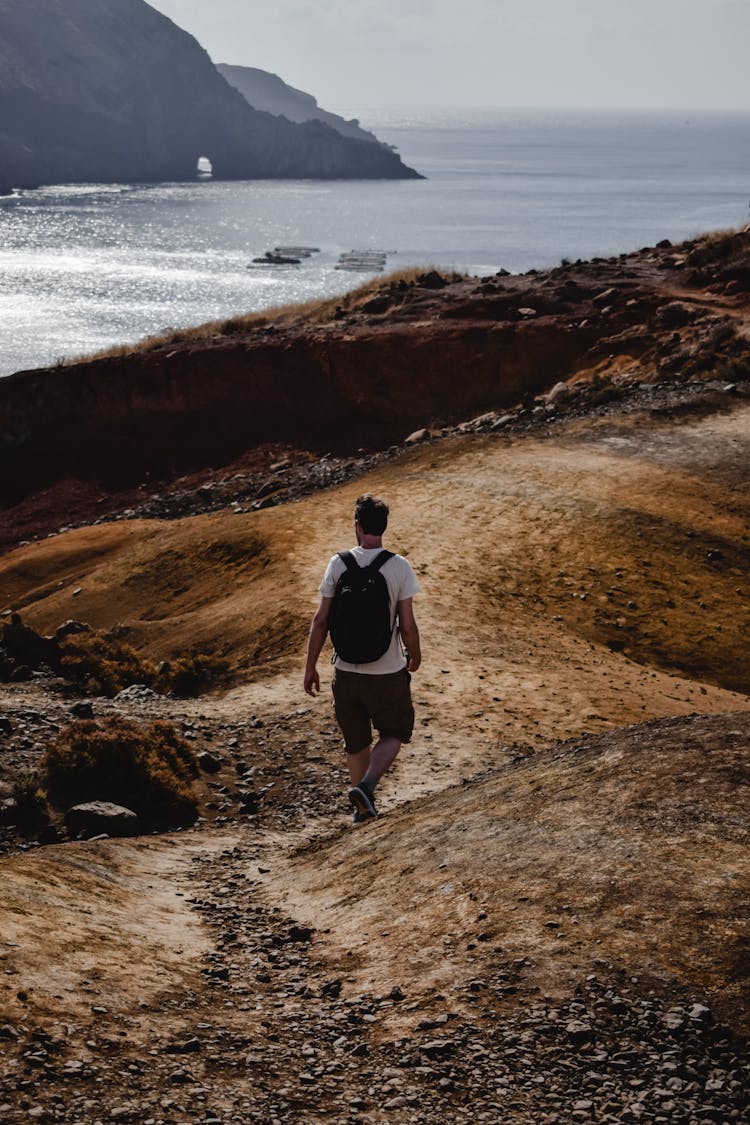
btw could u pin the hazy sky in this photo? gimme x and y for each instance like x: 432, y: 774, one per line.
x: 348, y: 53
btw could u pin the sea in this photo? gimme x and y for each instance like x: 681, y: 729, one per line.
x: 87, y: 266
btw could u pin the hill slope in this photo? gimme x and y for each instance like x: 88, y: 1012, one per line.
x: 549, y: 921
x: 118, y: 92
x: 270, y: 93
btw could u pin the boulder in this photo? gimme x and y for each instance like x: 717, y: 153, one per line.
x: 431, y: 280
x: 95, y: 818
x: 71, y: 628
x: 26, y: 647
x: 559, y: 393
x: 674, y: 315
x: 208, y: 762
x: 82, y: 710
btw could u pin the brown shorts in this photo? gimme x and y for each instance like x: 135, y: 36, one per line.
x: 383, y: 701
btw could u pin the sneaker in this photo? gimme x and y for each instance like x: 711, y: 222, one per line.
x: 363, y: 802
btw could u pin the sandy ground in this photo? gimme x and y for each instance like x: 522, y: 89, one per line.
x: 561, y: 811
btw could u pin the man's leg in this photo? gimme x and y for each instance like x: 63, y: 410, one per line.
x: 382, y: 757
x: 358, y: 764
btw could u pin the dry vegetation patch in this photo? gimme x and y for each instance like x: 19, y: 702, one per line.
x: 147, y: 768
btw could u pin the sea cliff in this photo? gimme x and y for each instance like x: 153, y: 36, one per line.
x: 117, y: 92
x: 270, y: 93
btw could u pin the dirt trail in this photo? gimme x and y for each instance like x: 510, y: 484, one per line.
x: 571, y: 587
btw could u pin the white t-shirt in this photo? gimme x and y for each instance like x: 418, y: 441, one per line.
x: 401, y: 582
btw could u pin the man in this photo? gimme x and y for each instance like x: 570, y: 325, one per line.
x: 376, y: 693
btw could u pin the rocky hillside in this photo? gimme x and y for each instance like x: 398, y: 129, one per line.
x: 548, y: 922
x: 365, y: 371
x: 270, y: 93
x: 116, y: 91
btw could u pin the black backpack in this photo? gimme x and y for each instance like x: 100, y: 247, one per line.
x: 360, y: 620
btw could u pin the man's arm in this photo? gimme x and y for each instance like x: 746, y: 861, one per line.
x: 318, y: 634
x: 407, y: 627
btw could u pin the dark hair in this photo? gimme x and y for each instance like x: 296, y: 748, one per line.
x: 372, y: 514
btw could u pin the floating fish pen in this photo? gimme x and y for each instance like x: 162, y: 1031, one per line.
x: 367, y: 261
x: 274, y: 258
x: 297, y: 251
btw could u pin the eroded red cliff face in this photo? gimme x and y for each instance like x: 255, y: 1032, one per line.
x: 389, y: 360
x: 116, y: 419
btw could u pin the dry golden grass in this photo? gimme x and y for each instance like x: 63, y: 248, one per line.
x: 322, y: 311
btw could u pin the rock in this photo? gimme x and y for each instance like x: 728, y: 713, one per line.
x: 301, y: 934
x: 6, y: 726
x: 674, y: 1020
x: 95, y: 817
x: 26, y: 647
x: 559, y: 392
x: 484, y: 421
x: 431, y: 280
x: 70, y: 628
x: 180, y: 1077
x: 674, y: 315
x: 606, y: 297
x: 377, y: 305
x: 137, y: 692
x: 436, y: 1048
x: 579, y: 1030
x: 701, y: 1014
x: 417, y: 436
x: 82, y: 710
x: 8, y: 810
x: 185, y: 1047
x: 209, y: 762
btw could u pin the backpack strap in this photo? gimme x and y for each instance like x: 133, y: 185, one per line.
x: 380, y: 561
x: 348, y: 560
x: 351, y: 563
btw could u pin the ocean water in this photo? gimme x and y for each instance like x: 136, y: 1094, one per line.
x: 87, y: 266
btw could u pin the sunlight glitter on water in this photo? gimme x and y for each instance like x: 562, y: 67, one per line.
x: 87, y: 266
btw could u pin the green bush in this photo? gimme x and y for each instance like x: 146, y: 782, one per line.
x: 149, y: 769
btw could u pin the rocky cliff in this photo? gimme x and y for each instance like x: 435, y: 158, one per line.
x: 270, y: 93
x: 116, y: 91
x: 401, y: 354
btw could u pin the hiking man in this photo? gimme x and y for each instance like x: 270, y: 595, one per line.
x: 367, y: 604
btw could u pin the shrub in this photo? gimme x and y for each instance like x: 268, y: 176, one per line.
x: 725, y: 356
x: 104, y: 665
x: 190, y: 675
x: 149, y: 769
x: 31, y: 801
